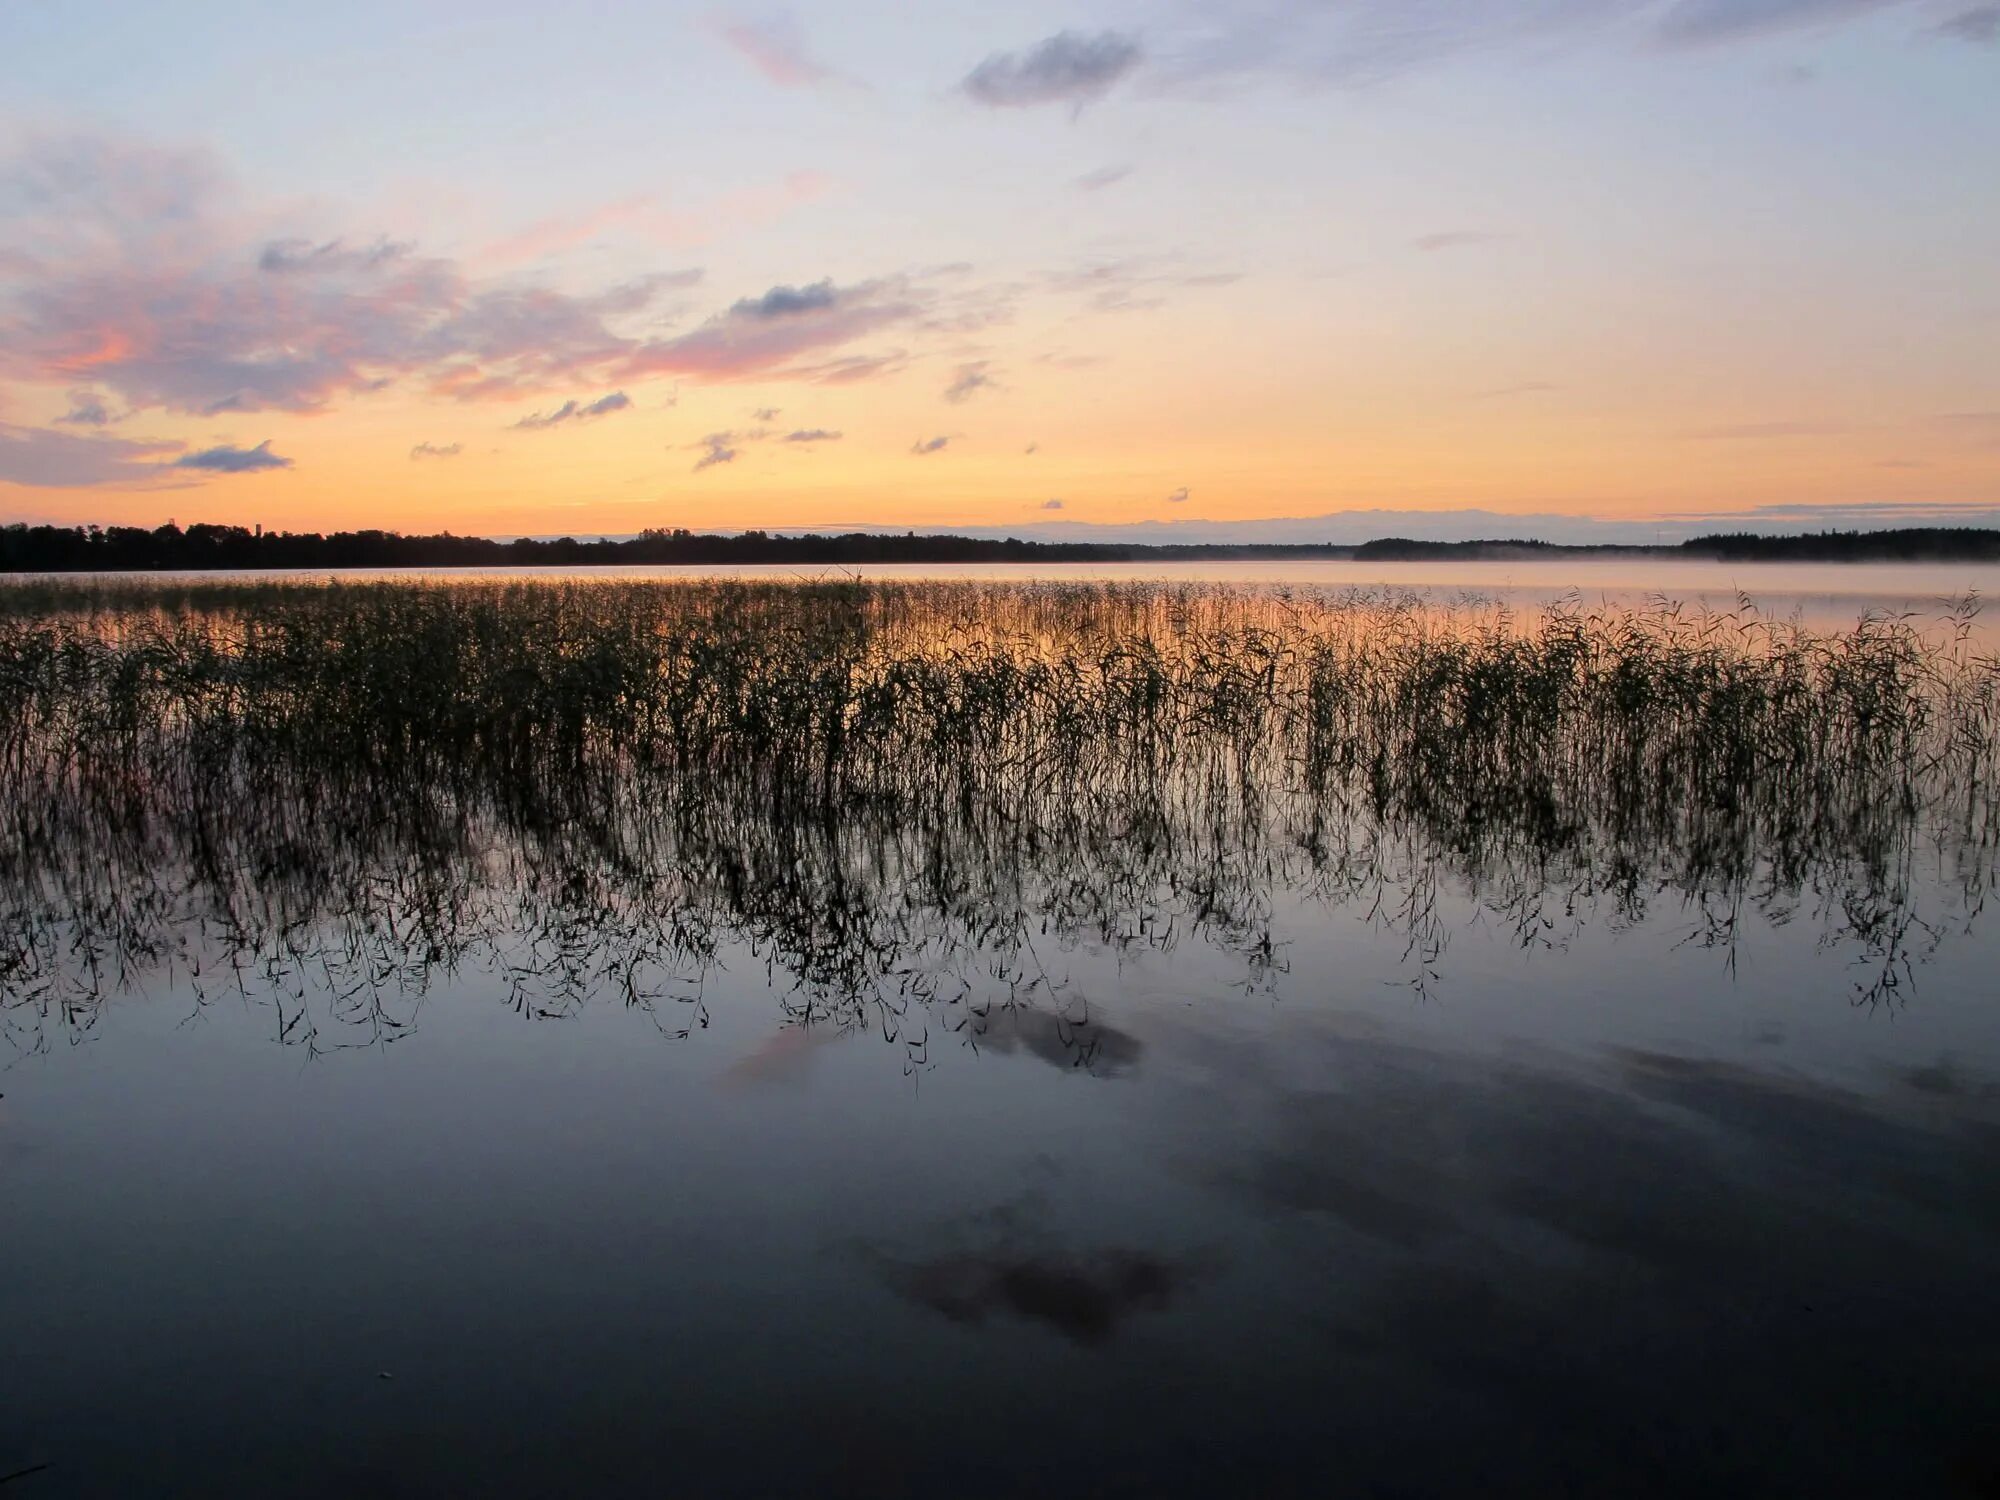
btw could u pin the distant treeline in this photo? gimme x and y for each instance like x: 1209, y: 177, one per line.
x: 68, y: 549
x: 1910, y: 544
x: 125, y: 549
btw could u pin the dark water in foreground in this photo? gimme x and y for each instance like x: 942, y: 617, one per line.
x: 731, y: 1144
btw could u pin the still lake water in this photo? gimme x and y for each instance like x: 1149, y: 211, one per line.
x: 1825, y: 594
x: 1422, y: 1172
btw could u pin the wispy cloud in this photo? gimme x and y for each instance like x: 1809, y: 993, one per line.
x: 717, y: 448
x: 773, y: 334
x: 283, y: 257
x: 135, y: 270
x: 1068, y: 68
x: 536, y: 421
x: 968, y: 381
x: 134, y: 274
x: 726, y: 447
x: 42, y: 457
x: 1979, y: 26
x: 573, y: 411
x: 1701, y: 22
x: 849, y: 369
x: 1454, y: 239
x: 1103, y: 177
x: 1751, y: 431
x: 226, y: 458
x: 1052, y: 505
x: 775, y: 47
x: 433, y: 450
x: 1134, y: 283
x: 86, y: 409
x: 1179, y: 496
x: 647, y: 219
x: 1210, y: 47
x: 925, y: 446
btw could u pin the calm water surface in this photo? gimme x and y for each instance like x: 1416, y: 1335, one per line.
x: 1826, y: 594
x: 1420, y: 1171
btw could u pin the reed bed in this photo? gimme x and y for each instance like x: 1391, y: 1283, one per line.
x: 840, y: 774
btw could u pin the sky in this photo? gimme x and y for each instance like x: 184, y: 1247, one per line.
x: 1262, y: 268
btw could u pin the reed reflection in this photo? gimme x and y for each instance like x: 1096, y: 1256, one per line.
x: 899, y: 799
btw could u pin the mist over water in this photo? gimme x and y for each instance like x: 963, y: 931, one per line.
x: 783, y: 1036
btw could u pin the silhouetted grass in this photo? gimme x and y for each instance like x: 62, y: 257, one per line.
x: 601, y: 783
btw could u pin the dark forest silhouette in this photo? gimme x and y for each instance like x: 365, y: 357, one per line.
x: 114, y: 549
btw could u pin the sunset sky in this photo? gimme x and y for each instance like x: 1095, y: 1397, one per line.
x: 589, y: 268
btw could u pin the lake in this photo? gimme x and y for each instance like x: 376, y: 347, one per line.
x: 1395, y: 1031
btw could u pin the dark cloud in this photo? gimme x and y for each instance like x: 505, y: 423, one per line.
x: 1103, y: 177
x: 769, y: 336
x: 1052, y: 505
x: 968, y: 381
x: 86, y: 409
x: 1696, y: 22
x: 1179, y: 496
x: 723, y: 447
x: 535, y: 421
x: 1031, y: 450
x: 1980, y: 26
x: 282, y: 257
x: 1067, y: 68
x: 1062, y: 1040
x: 1086, y: 1298
x: 767, y: 413
x: 433, y: 450
x: 925, y: 446
x: 574, y: 411
x: 787, y: 301
x: 61, y: 460
x: 717, y: 448
x: 226, y: 458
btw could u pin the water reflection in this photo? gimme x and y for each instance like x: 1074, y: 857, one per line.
x: 904, y: 804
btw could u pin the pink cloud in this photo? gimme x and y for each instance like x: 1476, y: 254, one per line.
x: 775, y: 48
x: 648, y: 220
x: 767, y: 335
x: 138, y: 277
